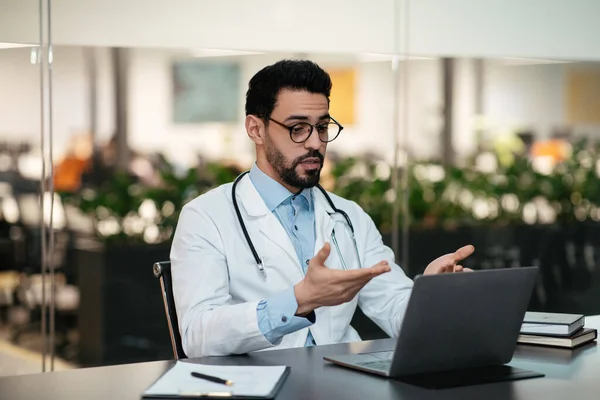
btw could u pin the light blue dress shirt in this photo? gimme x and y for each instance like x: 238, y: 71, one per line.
x: 297, y: 216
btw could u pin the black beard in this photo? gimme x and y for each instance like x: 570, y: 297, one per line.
x: 289, y: 174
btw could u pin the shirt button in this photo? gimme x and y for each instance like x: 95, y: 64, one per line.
x: 284, y: 318
x: 295, y: 227
x: 307, y: 261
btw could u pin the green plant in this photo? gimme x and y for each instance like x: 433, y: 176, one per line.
x: 357, y: 180
x: 124, y: 210
x: 109, y: 204
x: 515, y: 192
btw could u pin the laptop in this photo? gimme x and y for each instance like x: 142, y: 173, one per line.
x: 458, y: 329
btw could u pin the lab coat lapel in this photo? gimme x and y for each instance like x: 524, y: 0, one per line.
x: 259, y: 215
x: 324, y: 225
x: 274, y: 232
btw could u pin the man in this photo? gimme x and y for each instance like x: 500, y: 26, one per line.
x: 280, y: 284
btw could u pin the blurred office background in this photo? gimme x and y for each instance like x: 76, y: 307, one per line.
x: 465, y: 122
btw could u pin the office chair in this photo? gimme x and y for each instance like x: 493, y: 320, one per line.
x: 162, y: 270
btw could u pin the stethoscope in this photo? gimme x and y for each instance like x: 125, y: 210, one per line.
x: 257, y: 258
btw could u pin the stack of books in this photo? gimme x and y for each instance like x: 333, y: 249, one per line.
x: 555, y: 329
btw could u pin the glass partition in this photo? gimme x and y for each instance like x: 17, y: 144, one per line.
x: 448, y: 140
x: 26, y: 287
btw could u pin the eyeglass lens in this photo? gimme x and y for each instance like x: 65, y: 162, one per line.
x: 327, y: 131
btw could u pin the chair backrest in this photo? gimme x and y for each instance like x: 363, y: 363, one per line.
x: 162, y: 270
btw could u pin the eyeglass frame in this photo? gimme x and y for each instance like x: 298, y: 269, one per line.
x: 312, y: 128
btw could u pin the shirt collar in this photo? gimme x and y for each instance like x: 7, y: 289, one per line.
x: 272, y: 192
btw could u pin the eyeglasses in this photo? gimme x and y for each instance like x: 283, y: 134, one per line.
x: 300, y: 132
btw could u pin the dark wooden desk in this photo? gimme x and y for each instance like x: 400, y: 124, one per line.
x: 570, y: 374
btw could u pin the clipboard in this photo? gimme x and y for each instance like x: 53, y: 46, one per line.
x: 253, y: 382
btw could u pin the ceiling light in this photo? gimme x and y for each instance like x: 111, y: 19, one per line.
x: 514, y: 61
x: 5, y: 45
x: 220, y: 53
x: 375, y: 57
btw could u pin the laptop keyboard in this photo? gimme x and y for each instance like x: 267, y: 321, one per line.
x: 382, y: 362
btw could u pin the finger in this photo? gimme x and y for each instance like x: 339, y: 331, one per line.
x: 364, y: 274
x: 321, y: 256
x: 355, y: 287
x: 379, y: 268
x: 376, y: 270
x: 463, y: 252
x: 467, y: 270
x: 458, y: 268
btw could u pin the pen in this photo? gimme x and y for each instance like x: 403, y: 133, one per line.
x: 207, y: 394
x: 212, y: 378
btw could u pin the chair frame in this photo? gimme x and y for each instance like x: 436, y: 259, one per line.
x: 160, y: 269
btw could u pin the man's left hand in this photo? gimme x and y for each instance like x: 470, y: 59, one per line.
x: 450, y: 262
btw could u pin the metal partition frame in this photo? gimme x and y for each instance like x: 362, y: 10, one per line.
x: 47, y: 186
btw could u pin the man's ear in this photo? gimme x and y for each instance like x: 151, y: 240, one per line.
x: 255, y: 129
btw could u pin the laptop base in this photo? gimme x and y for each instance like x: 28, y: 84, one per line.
x: 468, y: 377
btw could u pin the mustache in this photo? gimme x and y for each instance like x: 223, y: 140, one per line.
x: 310, y: 154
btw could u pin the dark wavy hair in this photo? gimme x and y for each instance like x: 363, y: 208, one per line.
x: 266, y: 84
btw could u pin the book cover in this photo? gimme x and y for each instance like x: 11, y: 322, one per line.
x: 551, y: 318
x: 551, y: 324
x: 582, y: 336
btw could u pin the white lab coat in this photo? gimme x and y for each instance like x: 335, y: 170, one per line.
x: 217, y: 285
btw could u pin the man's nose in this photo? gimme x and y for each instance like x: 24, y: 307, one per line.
x: 313, y: 142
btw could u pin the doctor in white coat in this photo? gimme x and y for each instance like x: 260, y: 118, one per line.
x: 296, y: 275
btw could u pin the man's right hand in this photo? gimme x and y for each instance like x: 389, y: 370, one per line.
x: 322, y: 286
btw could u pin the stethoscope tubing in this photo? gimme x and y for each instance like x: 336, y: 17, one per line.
x: 257, y: 258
